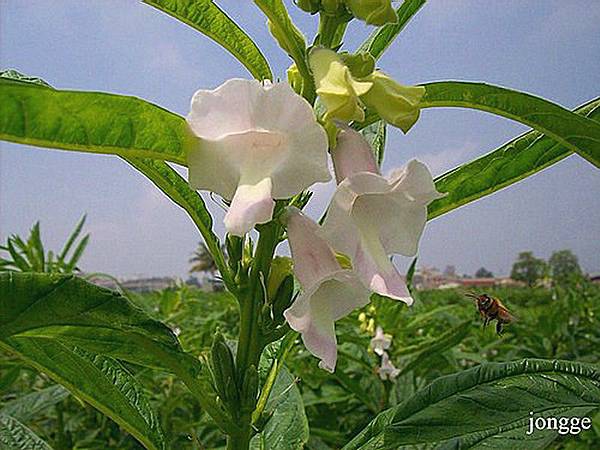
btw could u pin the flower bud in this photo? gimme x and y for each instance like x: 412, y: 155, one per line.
x: 361, y: 64
x: 281, y: 267
x: 374, y: 12
x: 338, y: 89
x: 395, y: 103
x: 235, y: 245
x: 224, y: 372
x: 295, y: 79
x: 249, y: 389
x: 283, y: 299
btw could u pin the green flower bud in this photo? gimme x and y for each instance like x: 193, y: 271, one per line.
x: 235, y: 245
x: 295, y: 79
x: 374, y: 12
x: 224, y: 372
x: 338, y: 89
x: 249, y: 390
x: 361, y: 64
x: 310, y: 6
x: 332, y: 7
x: 395, y: 103
x: 283, y: 298
x: 281, y: 267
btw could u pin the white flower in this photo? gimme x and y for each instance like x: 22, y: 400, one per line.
x: 380, y: 342
x: 257, y: 142
x: 371, y: 217
x: 329, y: 292
x: 387, y: 371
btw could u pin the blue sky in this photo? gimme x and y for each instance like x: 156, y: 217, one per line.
x: 545, y: 47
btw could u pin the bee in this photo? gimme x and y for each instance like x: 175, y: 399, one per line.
x: 492, y: 309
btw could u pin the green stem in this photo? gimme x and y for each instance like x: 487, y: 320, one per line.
x: 250, y: 343
x: 330, y: 33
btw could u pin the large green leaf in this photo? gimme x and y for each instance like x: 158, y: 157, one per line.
x: 26, y: 407
x: 206, y: 17
x: 94, y: 122
x: 383, y: 37
x: 575, y: 132
x: 76, y: 313
x: 100, y: 381
x: 488, y: 406
x: 16, y: 436
x: 73, y: 310
x: 179, y: 191
x: 512, y: 162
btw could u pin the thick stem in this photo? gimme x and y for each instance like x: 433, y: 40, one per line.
x: 238, y: 441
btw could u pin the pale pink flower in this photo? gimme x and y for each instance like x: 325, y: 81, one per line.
x: 256, y: 142
x: 328, y: 291
x: 380, y: 342
x: 371, y: 217
x: 387, y: 371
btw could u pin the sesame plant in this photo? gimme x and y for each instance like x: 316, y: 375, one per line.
x: 260, y: 144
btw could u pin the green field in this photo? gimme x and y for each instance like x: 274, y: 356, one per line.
x: 441, y: 334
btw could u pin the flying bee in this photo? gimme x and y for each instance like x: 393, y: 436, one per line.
x: 492, y: 309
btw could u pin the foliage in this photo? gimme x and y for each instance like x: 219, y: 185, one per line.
x: 564, y: 267
x: 482, y: 272
x: 528, y: 268
x: 30, y: 256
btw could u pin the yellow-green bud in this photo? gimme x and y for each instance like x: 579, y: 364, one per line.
x: 338, y: 89
x: 281, y: 267
x: 332, y: 7
x: 374, y: 12
x: 295, y: 79
x: 395, y: 103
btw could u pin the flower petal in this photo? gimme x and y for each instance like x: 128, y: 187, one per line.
x: 313, y: 314
x: 313, y: 258
x: 352, y: 154
x: 377, y: 271
x: 251, y: 204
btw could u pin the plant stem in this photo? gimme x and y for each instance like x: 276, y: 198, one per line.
x: 250, y: 343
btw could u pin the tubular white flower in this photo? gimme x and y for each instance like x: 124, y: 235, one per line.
x: 371, y: 217
x: 380, y: 342
x: 255, y: 143
x: 329, y: 292
x: 387, y: 371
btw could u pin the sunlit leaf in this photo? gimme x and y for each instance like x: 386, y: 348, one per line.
x: 512, y: 162
x: 575, y: 132
x: 383, y: 37
x: 488, y: 406
x: 89, y: 122
x: 206, y: 17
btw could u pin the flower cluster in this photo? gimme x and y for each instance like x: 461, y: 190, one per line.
x: 257, y: 142
x: 379, y: 344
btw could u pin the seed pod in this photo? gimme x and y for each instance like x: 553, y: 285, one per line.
x: 283, y: 298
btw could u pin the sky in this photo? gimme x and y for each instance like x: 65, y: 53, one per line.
x: 549, y: 48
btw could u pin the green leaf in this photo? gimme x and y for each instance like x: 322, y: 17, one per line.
x: 100, y: 381
x: 486, y: 407
x: 383, y: 37
x: 70, y: 309
x: 26, y: 407
x: 89, y: 122
x: 574, y: 131
x: 179, y: 191
x: 72, y: 238
x: 287, y: 35
x: 512, y: 162
x: 375, y: 134
x: 287, y: 428
x: 206, y: 17
x: 16, y: 436
x: 74, y: 312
